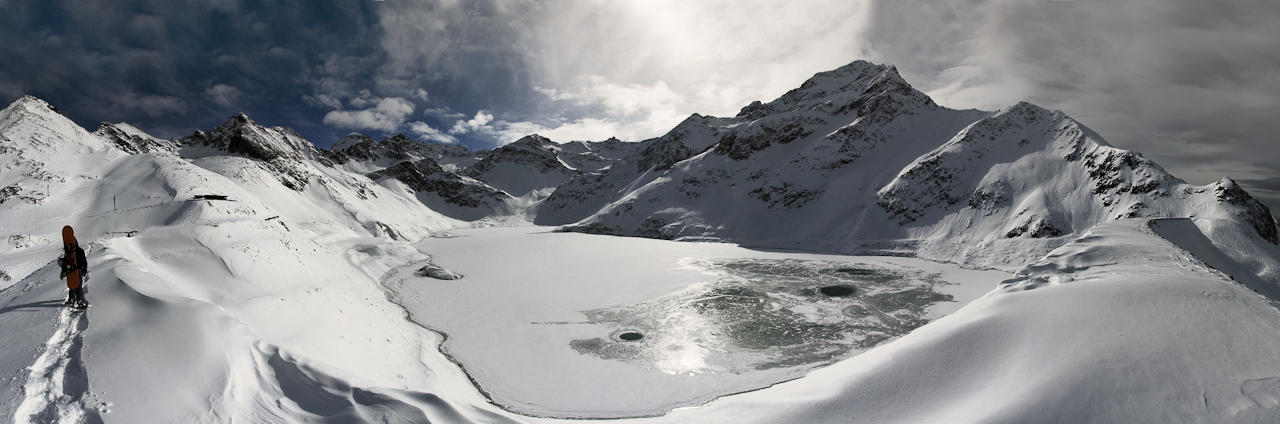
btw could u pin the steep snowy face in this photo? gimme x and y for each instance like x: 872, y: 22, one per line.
x: 281, y: 150
x: 587, y: 193
x: 350, y: 141
x: 34, y: 128
x: 445, y: 192
x: 43, y: 153
x: 1027, y: 172
x: 590, y: 156
x: 1244, y: 207
x: 527, y: 165
x: 855, y: 160
x: 360, y: 153
x: 241, y: 136
x: 777, y: 157
x: 133, y: 140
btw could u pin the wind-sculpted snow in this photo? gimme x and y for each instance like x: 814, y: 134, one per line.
x: 56, y: 389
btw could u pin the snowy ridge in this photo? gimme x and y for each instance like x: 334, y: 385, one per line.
x: 506, y: 183
x: 529, y: 164
x: 587, y: 193
x: 448, y: 193
x: 360, y: 153
x: 133, y: 140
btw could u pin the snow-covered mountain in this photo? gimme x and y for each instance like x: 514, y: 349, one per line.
x: 509, y: 181
x: 587, y: 193
x: 360, y: 153
x: 857, y: 161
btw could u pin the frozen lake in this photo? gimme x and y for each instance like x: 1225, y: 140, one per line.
x: 576, y: 325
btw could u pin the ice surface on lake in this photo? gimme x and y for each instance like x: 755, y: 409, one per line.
x: 766, y: 313
x: 585, y: 326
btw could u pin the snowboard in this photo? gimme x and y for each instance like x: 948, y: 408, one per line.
x: 69, y: 258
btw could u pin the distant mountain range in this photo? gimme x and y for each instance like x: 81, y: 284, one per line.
x: 855, y: 160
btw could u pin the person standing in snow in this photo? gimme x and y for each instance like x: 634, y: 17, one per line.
x: 75, y: 268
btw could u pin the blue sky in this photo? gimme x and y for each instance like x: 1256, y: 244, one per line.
x: 1194, y: 85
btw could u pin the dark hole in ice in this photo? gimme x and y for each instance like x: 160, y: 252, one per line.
x: 837, y: 291
x: 630, y: 337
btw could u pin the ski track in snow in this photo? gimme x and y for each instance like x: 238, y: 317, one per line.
x: 56, y: 388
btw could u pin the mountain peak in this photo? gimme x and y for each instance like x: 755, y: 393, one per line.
x: 850, y: 87
x: 239, y: 120
x: 47, y: 130
x: 32, y: 104
x: 858, y: 68
x: 533, y: 140
x: 398, y: 138
x: 241, y: 135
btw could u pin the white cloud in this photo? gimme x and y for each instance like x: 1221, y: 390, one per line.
x: 719, y: 54
x: 420, y: 94
x: 652, y: 62
x: 586, y: 129
x: 429, y: 133
x: 223, y: 95
x: 388, y: 115
x: 443, y: 112
x: 363, y: 99
x: 1190, y: 84
x: 627, y: 111
x: 478, y: 123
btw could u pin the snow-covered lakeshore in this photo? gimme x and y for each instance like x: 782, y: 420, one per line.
x: 242, y: 274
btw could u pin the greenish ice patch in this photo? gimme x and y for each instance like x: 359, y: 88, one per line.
x: 763, y: 314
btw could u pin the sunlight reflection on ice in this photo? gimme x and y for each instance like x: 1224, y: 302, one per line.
x: 767, y: 313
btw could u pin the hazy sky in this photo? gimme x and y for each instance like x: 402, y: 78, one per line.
x: 1194, y: 85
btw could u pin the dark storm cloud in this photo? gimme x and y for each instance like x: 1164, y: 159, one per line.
x: 175, y: 66
x: 1192, y: 84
